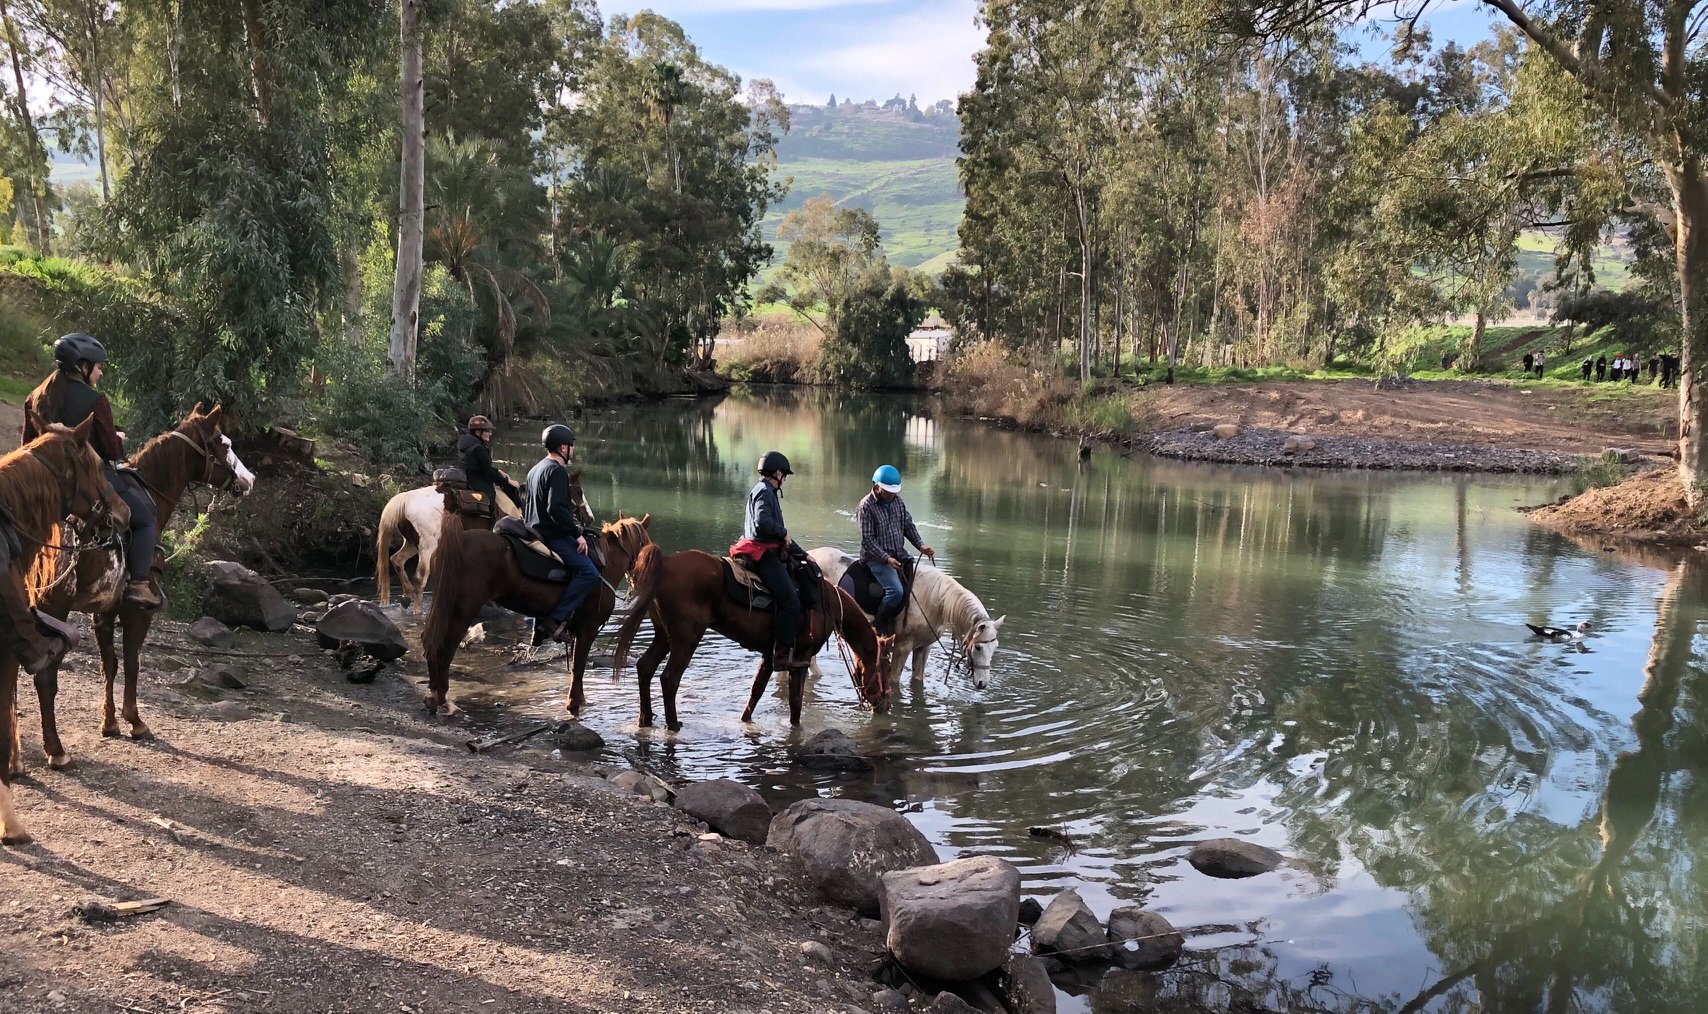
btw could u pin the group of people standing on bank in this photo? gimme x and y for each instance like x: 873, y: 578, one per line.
x: 1662, y: 368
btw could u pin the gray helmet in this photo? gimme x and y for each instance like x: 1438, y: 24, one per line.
x: 556, y: 435
x: 774, y: 461
x: 78, y: 347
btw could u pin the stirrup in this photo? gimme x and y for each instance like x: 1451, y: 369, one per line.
x: 561, y: 633
x: 142, y: 595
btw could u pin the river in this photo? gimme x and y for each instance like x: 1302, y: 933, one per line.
x: 1333, y: 665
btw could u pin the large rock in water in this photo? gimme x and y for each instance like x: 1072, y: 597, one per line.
x: 831, y: 750
x: 239, y: 597
x: 1144, y: 940
x: 1069, y: 930
x: 729, y: 807
x: 1026, y: 986
x: 366, y: 624
x: 845, y: 845
x: 954, y: 921
x: 1231, y: 859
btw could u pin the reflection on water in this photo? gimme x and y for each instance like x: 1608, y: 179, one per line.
x: 1332, y: 665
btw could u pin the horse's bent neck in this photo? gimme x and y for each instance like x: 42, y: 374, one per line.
x: 35, y: 502
x: 165, y: 467
x: 948, y: 603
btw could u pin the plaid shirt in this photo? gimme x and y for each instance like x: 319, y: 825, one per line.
x: 882, y: 528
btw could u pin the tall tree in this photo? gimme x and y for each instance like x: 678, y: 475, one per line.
x: 412, y: 168
x: 35, y: 176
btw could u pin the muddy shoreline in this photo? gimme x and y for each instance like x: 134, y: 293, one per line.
x: 1261, y: 446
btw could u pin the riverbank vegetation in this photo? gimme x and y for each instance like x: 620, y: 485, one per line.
x: 589, y: 207
x: 1237, y: 188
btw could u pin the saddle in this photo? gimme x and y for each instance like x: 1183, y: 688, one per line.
x: 858, y: 581
x: 468, y: 502
x: 743, y: 584
x: 534, y: 558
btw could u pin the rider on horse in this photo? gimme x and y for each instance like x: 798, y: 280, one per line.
x: 765, y: 540
x: 884, y: 524
x: 475, y: 457
x: 68, y: 397
x: 551, y: 513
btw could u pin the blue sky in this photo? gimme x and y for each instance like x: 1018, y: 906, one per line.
x: 873, y: 49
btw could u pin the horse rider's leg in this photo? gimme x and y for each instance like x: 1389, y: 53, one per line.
x: 761, y: 677
x: 135, y: 624
x: 103, y: 624
x: 797, y: 683
x: 681, y: 653
x: 646, y: 665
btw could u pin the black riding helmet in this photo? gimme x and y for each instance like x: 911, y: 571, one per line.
x: 76, y: 348
x: 774, y: 461
x: 556, y: 435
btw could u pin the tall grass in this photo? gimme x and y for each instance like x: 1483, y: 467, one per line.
x: 984, y: 380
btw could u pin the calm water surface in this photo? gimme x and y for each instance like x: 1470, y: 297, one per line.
x: 1331, y: 665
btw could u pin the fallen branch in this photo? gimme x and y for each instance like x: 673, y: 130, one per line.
x: 483, y: 745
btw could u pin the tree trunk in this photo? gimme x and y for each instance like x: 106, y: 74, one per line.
x: 97, y: 73
x: 1084, y: 285
x: 1473, y: 352
x: 1690, y: 202
x: 406, y: 292
x: 35, y: 153
x: 260, y: 70
x: 174, y: 48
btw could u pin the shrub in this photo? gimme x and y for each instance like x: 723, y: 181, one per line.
x: 772, y: 354
x: 867, y: 343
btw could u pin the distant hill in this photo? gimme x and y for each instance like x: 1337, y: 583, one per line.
x: 897, y: 163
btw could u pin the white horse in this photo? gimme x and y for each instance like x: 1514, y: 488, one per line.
x: 936, y: 602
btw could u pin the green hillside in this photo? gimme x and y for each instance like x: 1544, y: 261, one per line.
x: 897, y: 164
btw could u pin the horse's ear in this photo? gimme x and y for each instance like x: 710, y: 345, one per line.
x: 646, y: 520
x: 215, y: 416
x: 81, y: 430
x: 196, y: 411
x: 37, y: 423
x: 996, y: 624
x: 575, y: 478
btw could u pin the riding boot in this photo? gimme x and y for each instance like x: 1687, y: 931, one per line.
x: 142, y: 595
x: 885, y: 622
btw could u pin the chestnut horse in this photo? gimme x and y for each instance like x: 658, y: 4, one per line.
x: 54, y: 476
x: 473, y: 568
x: 197, y: 451
x: 684, y: 592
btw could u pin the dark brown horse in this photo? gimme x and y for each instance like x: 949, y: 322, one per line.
x: 474, y: 568
x: 685, y: 595
x: 54, y: 476
x: 93, y: 582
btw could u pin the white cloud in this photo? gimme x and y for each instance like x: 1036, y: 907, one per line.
x: 929, y: 53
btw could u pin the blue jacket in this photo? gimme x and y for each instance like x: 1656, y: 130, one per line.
x: 765, y: 515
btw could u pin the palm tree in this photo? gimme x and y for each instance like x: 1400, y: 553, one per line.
x: 665, y: 90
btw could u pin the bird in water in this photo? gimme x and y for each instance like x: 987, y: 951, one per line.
x: 1560, y: 633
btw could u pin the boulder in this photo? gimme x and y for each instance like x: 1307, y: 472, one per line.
x: 639, y: 783
x: 1296, y: 445
x: 1070, y: 930
x: 1623, y: 455
x: 239, y: 597
x: 309, y: 596
x: 573, y: 737
x: 1225, y: 431
x: 1030, y: 910
x: 1026, y: 986
x: 889, y: 1000
x: 341, y: 598
x: 831, y: 750
x: 727, y: 806
x: 366, y: 624
x: 1231, y: 859
x: 212, y: 633
x: 845, y: 845
x: 1155, y: 944
x: 1125, y: 992
x: 224, y: 676
x: 953, y: 921
x: 948, y: 1003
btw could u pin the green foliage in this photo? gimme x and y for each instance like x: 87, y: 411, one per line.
x: 867, y: 344
x: 22, y: 337
x: 1636, y: 310
x: 1596, y: 473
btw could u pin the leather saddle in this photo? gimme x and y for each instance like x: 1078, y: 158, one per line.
x: 534, y: 558
x: 743, y: 584
x: 858, y: 581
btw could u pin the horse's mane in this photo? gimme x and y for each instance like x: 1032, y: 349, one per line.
x: 629, y: 533
x: 159, y: 439
x: 963, y: 608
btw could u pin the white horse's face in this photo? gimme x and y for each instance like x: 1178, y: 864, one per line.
x: 981, y: 648
x: 245, y: 480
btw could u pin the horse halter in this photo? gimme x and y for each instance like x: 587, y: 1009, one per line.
x: 93, y: 505
x: 208, y: 462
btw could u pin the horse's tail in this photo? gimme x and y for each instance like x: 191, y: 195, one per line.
x: 447, y: 564
x: 390, y: 521
x: 643, y: 585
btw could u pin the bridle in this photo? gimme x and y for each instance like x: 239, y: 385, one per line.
x: 94, y: 506
x: 208, y: 462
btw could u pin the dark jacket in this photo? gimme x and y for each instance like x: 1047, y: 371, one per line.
x: 475, y: 457
x: 549, y: 509
x: 765, y: 515
x: 76, y: 401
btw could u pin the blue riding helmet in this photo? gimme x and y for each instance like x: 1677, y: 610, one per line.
x: 887, y: 478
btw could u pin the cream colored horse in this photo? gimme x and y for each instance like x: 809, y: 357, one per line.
x: 937, y: 603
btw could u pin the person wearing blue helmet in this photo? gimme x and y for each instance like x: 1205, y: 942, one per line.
x: 885, y: 529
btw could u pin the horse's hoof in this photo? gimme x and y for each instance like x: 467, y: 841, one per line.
x: 110, y: 728
x: 58, y: 761
x: 675, y: 726
x: 140, y: 731
x: 747, y: 716
x: 15, y: 837
x: 646, y: 721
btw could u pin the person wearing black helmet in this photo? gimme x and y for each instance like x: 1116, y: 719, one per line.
x: 765, y: 538
x: 474, y: 454
x: 550, y: 513
x: 68, y: 397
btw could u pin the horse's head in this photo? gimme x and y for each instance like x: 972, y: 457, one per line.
x: 84, y: 491
x: 577, y: 496
x: 626, y: 537
x: 980, y: 647
x: 219, y: 464
x: 871, y: 666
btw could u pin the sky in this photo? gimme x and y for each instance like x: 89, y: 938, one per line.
x: 873, y: 49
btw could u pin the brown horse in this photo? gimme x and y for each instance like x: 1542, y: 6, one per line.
x: 54, y: 476
x: 474, y: 568
x: 93, y: 582
x: 684, y: 592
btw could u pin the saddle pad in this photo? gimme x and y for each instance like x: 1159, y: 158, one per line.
x: 521, y: 535
x: 744, y: 585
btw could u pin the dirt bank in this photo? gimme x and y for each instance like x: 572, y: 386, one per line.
x: 327, y: 847
x: 1649, y: 507
x: 1564, y: 420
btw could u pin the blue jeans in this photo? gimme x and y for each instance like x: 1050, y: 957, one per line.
x: 894, y: 593
x: 583, y: 578
x: 144, y: 533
